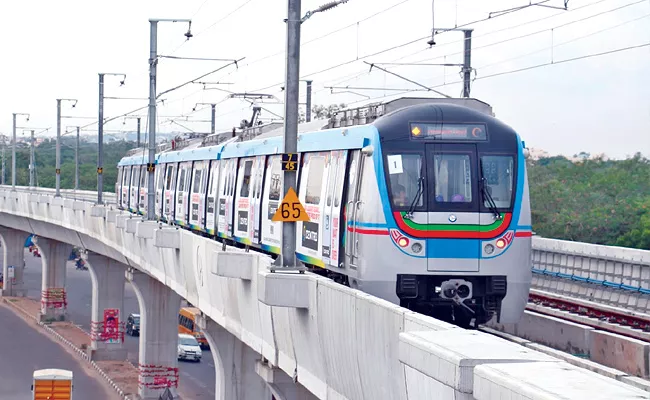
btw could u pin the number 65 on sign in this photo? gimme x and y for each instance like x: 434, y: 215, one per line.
x: 290, y: 210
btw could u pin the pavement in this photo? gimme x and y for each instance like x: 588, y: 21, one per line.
x: 24, y: 348
x: 196, y: 380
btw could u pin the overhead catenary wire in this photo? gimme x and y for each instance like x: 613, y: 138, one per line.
x: 360, y: 73
x: 541, y: 65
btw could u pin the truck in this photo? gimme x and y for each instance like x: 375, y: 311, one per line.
x: 52, y: 384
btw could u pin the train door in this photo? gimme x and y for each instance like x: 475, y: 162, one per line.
x: 351, y: 207
x: 256, y: 199
x: 135, y: 188
x: 226, y: 196
x: 197, y: 199
x: 160, y: 188
x: 118, y: 186
x: 170, y: 190
x: 144, y: 183
x: 453, y: 205
x: 212, y: 198
x: 182, y: 193
x: 243, y: 195
x: 332, y: 209
x: 271, y: 235
x: 126, y: 183
x: 313, y: 183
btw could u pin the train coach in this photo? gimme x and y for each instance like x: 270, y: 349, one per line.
x: 422, y: 202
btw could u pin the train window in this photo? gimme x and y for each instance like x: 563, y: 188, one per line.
x: 333, y: 162
x: 246, y: 182
x: 170, y: 171
x: 181, y: 181
x: 125, y: 181
x: 143, y: 177
x: 340, y: 174
x: 453, y: 178
x: 315, y: 179
x: 405, y: 174
x: 276, y: 179
x: 197, y: 181
x: 498, y: 172
x: 160, y: 177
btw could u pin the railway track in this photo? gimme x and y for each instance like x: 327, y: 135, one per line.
x: 599, y: 316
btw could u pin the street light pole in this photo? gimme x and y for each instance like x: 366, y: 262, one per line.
x: 153, y: 63
x: 13, y: 151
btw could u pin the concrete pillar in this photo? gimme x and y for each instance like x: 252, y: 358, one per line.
x: 107, y: 339
x: 54, y: 257
x: 234, y: 364
x: 13, y: 248
x: 159, y: 306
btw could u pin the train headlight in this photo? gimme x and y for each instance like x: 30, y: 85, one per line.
x: 417, y: 247
x: 501, y: 243
x: 403, y: 242
x: 489, y: 249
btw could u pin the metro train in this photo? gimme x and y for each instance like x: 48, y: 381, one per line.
x: 422, y: 202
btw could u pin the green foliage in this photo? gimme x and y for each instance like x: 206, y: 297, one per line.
x: 594, y: 201
x: 46, y: 160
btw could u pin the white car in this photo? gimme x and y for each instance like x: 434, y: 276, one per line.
x: 188, y: 348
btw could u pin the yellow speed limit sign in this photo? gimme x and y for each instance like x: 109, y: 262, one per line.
x: 290, y: 209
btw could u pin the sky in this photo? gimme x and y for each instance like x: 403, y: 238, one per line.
x: 536, y: 67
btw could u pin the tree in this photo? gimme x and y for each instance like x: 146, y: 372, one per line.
x: 321, y: 112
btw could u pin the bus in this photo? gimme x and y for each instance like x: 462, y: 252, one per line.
x: 52, y: 384
x: 187, y: 324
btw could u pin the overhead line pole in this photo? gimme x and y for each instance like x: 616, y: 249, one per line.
x: 58, y: 143
x: 100, y: 135
x: 153, y: 63
x: 291, y: 112
x: 13, y: 150
x: 31, y: 161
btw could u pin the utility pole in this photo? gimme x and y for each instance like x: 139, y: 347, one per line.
x: 291, y: 113
x: 100, y: 142
x: 153, y: 63
x: 31, y: 162
x: 76, y: 163
x: 58, y: 148
x: 467, y: 62
x: 100, y: 135
x: 138, y: 143
x: 13, y: 150
x: 291, y: 94
x: 58, y: 143
x: 308, y: 105
x: 213, y: 108
x: 4, y: 144
x: 13, y: 155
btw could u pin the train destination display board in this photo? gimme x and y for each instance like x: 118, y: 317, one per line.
x: 445, y: 131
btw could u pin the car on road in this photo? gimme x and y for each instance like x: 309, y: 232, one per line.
x: 188, y: 348
x: 133, y: 325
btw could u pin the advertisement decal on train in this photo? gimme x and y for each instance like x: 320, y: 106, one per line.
x: 272, y: 231
x: 212, y: 194
x: 197, y: 197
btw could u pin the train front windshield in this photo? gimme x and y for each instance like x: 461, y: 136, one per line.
x: 432, y: 175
